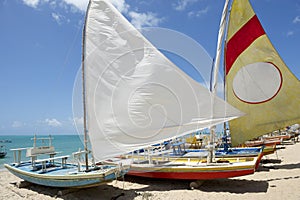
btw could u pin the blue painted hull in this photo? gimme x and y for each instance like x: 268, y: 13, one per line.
x: 231, y: 152
x: 65, y: 177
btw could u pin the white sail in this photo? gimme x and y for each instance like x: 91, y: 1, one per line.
x: 135, y: 96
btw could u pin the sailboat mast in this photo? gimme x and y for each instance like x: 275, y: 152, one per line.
x: 224, y: 89
x: 221, y: 34
x: 83, y: 91
x: 215, y: 73
x: 224, y: 93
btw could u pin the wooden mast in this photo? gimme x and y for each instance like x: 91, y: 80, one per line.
x: 83, y: 91
x: 214, y: 80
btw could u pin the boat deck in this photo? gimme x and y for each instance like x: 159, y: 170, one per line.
x: 54, y: 169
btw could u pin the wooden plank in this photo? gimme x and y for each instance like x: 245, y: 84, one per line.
x: 50, y: 159
x: 19, y: 149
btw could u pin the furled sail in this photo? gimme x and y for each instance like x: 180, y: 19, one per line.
x: 135, y: 96
x: 257, y: 80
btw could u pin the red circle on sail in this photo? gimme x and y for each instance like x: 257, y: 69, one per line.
x: 257, y: 82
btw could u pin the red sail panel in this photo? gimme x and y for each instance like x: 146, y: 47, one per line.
x: 242, y: 40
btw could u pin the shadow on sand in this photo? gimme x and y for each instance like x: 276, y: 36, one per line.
x: 276, y: 167
x: 273, y: 161
x: 110, y: 192
x: 237, y: 186
x: 105, y: 192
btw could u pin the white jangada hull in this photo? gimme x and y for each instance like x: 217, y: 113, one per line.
x: 65, y: 177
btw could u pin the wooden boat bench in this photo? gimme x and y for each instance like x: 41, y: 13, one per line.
x: 17, y: 154
x: 44, y: 161
x: 162, y: 154
x: 51, y: 155
x: 154, y: 151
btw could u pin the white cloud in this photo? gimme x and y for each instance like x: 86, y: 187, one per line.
x: 137, y: 19
x: 17, y: 124
x: 78, y: 121
x: 31, y: 3
x: 121, y: 5
x: 53, y: 122
x: 57, y: 17
x: 76, y: 5
x: 140, y: 20
x: 182, y: 4
x: 296, y: 20
x: 290, y: 33
x: 198, y: 13
x: 79, y: 4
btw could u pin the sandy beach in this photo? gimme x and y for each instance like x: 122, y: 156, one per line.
x: 278, y: 177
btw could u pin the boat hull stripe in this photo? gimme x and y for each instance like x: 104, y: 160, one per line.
x: 191, y: 175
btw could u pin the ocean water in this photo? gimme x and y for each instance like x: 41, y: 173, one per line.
x: 66, y: 144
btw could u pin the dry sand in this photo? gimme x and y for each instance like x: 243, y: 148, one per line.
x: 278, y: 177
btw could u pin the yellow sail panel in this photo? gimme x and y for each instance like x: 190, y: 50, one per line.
x: 239, y: 16
x: 257, y: 80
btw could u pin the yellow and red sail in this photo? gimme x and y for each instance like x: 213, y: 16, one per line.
x: 257, y: 80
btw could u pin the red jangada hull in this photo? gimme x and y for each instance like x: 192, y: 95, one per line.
x: 191, y: 175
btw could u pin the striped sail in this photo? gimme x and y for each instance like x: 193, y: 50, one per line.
x: 257, y: 80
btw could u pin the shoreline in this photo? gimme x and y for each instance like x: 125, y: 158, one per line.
x: 278, y: 177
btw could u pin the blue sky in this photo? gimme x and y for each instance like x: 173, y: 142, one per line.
x: 41, y: 49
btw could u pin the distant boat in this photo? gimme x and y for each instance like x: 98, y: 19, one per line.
x: 263, y: 142
x: 5, y: 141
x: 2, y: 151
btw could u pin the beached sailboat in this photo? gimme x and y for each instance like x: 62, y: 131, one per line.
x: 226, y: 151
x: 263, y: 90
x: 47, y: 170
x: 43, y: 167
x: 257, y: 80
x: 276, y: 137
x: 156, y: 97
x: 139, y: 92
x: 245, y: 39
x: 133, y: 97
